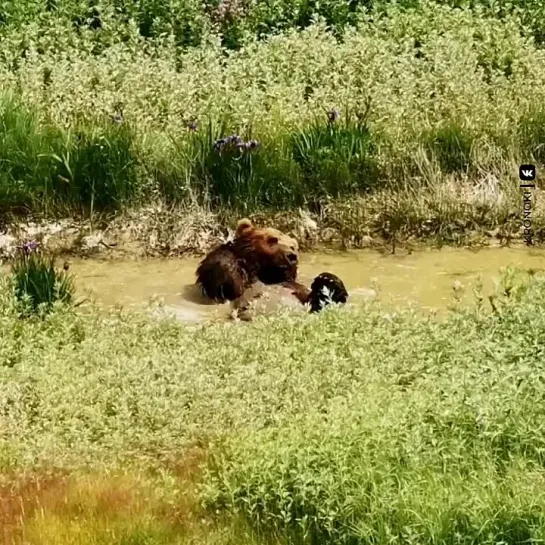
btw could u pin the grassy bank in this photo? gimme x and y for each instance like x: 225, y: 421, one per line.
x: 433, y: 106
x: 352, y: 426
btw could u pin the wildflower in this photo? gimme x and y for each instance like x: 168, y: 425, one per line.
x: 29, y: 247
x: 333, y: 115
x: 232, y: 141
x: 235, y: 140
x: 118, y: 117
x: 220, y: 144
x: 252, y: 145
x: 193, y: 125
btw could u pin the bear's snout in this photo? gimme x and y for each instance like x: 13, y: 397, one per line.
x: 292, y: 258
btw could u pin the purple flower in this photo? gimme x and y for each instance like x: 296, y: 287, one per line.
x: 220, y: 144
x: 252, y: 145
x: 30, y: 246
x: 193, y: 125
x: 234, y: 141
x: 333, y: 115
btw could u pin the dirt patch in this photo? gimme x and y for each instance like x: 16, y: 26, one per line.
x: 22, y: 495
x: 102, y: 500
x: 455, y: 214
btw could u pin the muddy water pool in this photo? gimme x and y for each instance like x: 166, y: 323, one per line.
x: 424, y: 278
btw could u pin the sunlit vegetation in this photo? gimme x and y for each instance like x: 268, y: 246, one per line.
x: 350, y: 426
x: 105, y: 117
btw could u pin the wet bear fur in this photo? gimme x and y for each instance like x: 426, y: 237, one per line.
x: 256, y: 254
x: 325, y: 289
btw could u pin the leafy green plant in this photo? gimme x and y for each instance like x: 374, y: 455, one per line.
x: 37, y: 283
x: 335, y: 158
x: 451, y: 145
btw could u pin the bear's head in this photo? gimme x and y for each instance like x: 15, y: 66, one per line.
x: 273, y: 254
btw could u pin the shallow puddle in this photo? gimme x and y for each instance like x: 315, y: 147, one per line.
x: 425, y: 278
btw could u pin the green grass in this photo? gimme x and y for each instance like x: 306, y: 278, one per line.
x: 353, y: 426
x: 335, y: 159
x: 24, y: 150
x: 451, y: 146
x: 46, y: 168
x: 429, y: 96
x: 94, y: 166
x: 435, y: 444
x: 37, y: 284
x: 533, y: 135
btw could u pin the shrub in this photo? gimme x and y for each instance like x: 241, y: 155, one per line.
x: 451, y: 146
x: 37, y: 283
x: 335, y: 159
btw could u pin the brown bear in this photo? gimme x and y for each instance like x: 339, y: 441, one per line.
x: 266, y: 255
x: 325, y: 289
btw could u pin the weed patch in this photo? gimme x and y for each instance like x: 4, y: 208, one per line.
x: 37, y: 284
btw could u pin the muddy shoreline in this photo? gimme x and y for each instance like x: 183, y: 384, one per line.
x: 156, y: 233
x: 427, y: 278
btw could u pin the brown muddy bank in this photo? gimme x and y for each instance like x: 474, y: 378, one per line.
x: 455, y: 213
x: 194, y: 235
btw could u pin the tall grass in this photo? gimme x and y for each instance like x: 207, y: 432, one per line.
x: 37, y: 284
x: 83, y: 168
x: 440, y: 93
x: 336, y: 159
x: 450, y: 146
x: 94, y: 167
x: 24, y: 150
x: 353, y: 426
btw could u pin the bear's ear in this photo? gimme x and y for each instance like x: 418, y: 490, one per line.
x: 271, y: 241
x: 243, y: 225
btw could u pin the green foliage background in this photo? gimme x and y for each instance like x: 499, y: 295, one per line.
x: 440, y: 91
